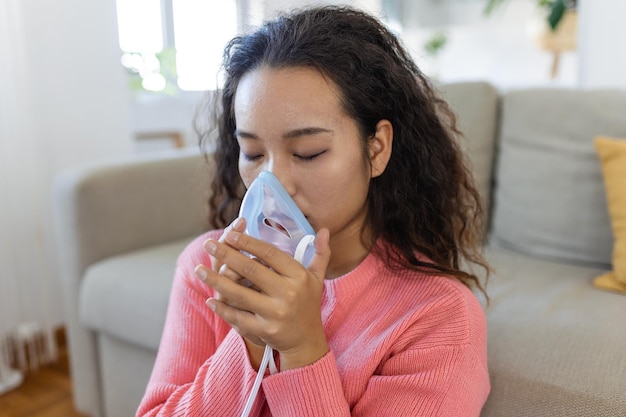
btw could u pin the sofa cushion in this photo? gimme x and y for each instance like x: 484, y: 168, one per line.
x: 555, y: 344
x: 612, y: 153
x: 126, y: 296
x: 546, y: 145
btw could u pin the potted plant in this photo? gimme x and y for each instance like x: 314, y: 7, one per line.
x: 557, y: 32
x: 556, y: 10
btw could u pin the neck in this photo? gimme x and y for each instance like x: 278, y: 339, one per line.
x: 347, y: 252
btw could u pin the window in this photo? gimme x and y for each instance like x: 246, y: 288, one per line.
x: 175, y: 42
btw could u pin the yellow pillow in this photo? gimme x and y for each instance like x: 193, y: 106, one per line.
x: 612, y: 153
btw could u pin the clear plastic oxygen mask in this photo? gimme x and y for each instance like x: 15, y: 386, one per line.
x: 272, y: 216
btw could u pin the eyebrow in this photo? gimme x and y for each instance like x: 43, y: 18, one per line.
x: 292, y: 134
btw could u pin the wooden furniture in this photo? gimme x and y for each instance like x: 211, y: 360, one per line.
x: 176, y: 137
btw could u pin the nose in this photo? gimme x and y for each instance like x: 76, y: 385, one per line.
x: 282, y: 171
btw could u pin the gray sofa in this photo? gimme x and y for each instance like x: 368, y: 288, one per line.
x: 557, y: 345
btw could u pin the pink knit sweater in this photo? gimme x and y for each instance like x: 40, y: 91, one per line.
x: 401, y: 344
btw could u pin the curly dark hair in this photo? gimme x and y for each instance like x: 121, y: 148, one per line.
x: 425, y: 202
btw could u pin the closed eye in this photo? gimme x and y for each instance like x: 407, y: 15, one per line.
x: 308, y: 158
x: 249, y: 157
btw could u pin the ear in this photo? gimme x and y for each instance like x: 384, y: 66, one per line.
x: 380, y: 147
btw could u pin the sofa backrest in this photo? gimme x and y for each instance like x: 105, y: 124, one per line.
x: 549, y: 198
x: 475, y: 105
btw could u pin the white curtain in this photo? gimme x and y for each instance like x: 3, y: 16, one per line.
x: 25, y: 238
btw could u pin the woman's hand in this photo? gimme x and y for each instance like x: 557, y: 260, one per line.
x: 255, y: 350
x: 238, y: 225
x: 284, y: 308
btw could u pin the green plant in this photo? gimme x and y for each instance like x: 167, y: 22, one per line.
x: 435, y: 44
x: 555, y: 8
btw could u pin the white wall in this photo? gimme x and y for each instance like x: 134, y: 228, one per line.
x: 79, y: 97
x: 601, y: 42
x: 76, y: 110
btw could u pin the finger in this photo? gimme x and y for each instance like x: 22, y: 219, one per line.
x: 238, y: 225
x: 236, y: 295
x: 229, y: 273
x: 244, y: 322
x: 233, y: 276
x: 268, y: 254
x: 320, y: 260
x: 202, y: 271
x: 255, y: 270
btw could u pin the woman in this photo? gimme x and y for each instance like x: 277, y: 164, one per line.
x: 383, y: 321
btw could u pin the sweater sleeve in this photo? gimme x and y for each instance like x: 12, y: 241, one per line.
x: 314, y: 390
x: 202, y: 366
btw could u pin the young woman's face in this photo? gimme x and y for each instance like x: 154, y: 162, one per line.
x: 290, y: 122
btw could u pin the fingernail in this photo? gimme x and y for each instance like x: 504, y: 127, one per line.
x: 232, y: 237
x: 238, y: 223
x: 200, y: 272
x: 210, y: 246
x: 211, y: 303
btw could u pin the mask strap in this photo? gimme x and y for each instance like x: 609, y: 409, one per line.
x: 302, y: 247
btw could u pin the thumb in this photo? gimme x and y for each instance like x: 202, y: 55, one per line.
x: 320, y: 260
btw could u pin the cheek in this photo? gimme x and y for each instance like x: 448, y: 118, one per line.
x: 247, y: 172
x: 338, y: 191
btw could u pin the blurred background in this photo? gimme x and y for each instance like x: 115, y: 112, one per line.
x: 82, y: 81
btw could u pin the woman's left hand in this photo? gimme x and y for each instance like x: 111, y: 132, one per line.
x: 284, y: 309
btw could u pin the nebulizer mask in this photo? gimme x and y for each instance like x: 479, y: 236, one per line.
x: 272, y: 216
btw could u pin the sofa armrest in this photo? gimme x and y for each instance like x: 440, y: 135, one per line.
x: 113, y: 207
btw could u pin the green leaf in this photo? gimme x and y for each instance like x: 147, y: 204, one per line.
x: 435, y: 44
x: 556, y: 13
x: 491, y: 6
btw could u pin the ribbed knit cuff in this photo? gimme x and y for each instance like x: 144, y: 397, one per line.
x: 314, y: 390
